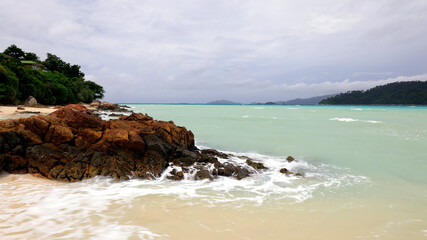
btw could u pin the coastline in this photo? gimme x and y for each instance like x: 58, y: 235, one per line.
x: 12, y: 111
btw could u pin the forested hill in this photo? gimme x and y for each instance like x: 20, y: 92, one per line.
x: 398, y: 93
x: 52, y: 81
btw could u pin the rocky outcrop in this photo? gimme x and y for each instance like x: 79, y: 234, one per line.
x: 107, y: 106
x: 72, y: 144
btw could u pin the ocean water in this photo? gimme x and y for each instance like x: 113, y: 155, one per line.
x: 365, y: 177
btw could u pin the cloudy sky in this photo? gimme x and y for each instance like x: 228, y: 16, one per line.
x: 201, y: 50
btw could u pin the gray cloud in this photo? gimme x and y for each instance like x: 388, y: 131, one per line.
x: 197, y: 51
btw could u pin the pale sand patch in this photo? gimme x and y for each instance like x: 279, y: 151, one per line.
x: 12, y: 111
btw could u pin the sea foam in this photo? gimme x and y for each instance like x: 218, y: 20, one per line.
x: 353, y: 120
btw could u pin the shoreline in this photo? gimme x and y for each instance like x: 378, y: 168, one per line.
x: 13, y: 111
x: 10, y: 111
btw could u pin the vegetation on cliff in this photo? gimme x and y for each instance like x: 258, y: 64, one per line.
x: 51, y: 81
x: 404, y: 93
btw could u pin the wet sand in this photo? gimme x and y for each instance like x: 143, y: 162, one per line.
x: 39, y: 209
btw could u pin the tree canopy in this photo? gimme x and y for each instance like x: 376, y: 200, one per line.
x: 397, y: 93
x: 57, y: 82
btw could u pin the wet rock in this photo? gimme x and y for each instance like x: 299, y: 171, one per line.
x: 290, y: 159
x: 285, y: 171
x: 176, y: 175
x: 215, y: 153
x: 20, y: 108
x: 229, y: 170
x: 256, y: 165
x: 71, y: 144
x: 202, y: 174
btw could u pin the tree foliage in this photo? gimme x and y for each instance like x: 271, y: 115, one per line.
x: 59, y: 83
x: 398, y: 93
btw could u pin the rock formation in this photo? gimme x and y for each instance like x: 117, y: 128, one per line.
x: 31, y: 101
x: 72, y: 144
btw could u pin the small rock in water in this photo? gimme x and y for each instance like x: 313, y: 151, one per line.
x: 285, y: 171
x: 290, y: 159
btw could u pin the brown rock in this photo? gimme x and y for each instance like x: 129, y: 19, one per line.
x: 285, y: 171
x: 256, y: 165
x: 31, y: 101
x: 290, y: 159
x: 72, y: 144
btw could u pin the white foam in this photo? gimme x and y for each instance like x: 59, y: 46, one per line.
x: 344, y: 119
x: 353, y: 120
x: 85, y: 207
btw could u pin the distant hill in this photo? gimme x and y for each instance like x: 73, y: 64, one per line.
x: 308, y: 101
x: 299, y: 101
x: 404, y: 93
x: 222, y: 102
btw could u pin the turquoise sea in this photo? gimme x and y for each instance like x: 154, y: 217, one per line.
x: 365, y: 177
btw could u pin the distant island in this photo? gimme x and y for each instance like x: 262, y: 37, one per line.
x: 397, y: 93
x: 223, y: 102
x: 51, y: 82
x: 300, y: 101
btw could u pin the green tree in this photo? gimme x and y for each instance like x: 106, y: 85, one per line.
x: 31, y: 56
x: 62, y: 83
x: 15, y: 52
x: 96, y: 89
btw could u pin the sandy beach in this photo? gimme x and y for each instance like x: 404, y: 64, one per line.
x: 13, y: 112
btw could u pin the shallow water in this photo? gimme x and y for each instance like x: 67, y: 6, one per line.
x: 364, y: 178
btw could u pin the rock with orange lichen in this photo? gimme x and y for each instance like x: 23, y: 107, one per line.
x: 72, y: 144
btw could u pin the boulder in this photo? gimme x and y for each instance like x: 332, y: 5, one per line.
x: 72, y: 144
x: 290, y: 159
x: 30, y: 102
x: 286, y: 171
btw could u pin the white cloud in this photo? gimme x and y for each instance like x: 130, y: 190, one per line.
x: 195, y: 51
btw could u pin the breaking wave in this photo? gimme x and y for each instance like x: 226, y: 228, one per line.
x: 353, y: 120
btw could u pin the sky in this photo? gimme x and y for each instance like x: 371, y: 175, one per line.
x: 198, y: 51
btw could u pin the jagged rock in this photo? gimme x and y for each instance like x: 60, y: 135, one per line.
x: 176, y: 175
x: 72, y: 144
x: 215, y: 153
x: 290, y: 159
x: 95, y: 103
x: 256, y: 165
x: 202, y: 174
x: 31, y: 101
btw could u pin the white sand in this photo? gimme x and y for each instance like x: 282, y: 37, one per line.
x: 13, y: 112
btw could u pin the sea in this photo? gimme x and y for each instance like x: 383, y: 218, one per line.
x: 364, y: 167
